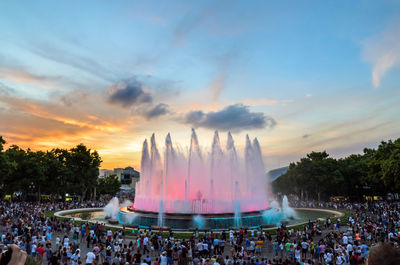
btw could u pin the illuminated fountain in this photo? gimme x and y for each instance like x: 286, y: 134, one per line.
x: 219, y: 187
x: 199, y: 183
x: 200, y: 189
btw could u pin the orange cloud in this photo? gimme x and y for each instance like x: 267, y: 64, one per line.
x: 45, y: 125
x: 19, y: 76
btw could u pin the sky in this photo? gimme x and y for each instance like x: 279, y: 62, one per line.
x: 300, y: 76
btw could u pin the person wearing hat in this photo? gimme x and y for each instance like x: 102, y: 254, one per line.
x: 108, y: 254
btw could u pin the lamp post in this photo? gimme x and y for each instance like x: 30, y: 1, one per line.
x: 31, y: 188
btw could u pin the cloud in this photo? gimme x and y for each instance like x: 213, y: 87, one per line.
x: 260, y: 101
x: 235, y: 117
x: 74, y: 97
x: 74, y: 60
x: 83, y: 113
x: 383, y: 52
x: 19, y: 76
x: 128, y: 93
x: 219, y: 82
x: 6, y: 90
x: 156, y: 111
x: 25, y: 77
x: 187, y: 24
x: 11, y: 70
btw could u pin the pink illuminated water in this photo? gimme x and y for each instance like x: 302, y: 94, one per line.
x: 202, y: 181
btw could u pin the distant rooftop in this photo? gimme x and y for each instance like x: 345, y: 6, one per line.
x: 276, y: 173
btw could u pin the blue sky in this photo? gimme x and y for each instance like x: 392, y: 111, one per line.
x: 299, y: 75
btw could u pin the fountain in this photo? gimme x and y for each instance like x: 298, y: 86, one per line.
x: 200, y: 189
x: 206, y: 194
x: 198, y: 221
x: 286, y: 209
x: 197, y: 183
x: 112, y: 209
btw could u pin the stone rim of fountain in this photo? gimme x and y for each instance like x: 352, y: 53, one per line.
x: 62, y: 213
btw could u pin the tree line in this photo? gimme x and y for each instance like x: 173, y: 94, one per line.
x: 56, y: 172
x: 318, y: 176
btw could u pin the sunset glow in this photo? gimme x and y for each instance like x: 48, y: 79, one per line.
x: 110, y: 73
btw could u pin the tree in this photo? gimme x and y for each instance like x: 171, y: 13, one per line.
x: 15, y: 180
x: 57, y: 172
x: 384, y: 166
x: 387, y: 164
x: 2, y: 143
x: 371, y: 173
x: 354, y: 169
x: 84, y: 167
x: 314, y: 176
x: 5, y: 167
x: 35, y: 172
x: 108, y: 185
x: 58, y: 175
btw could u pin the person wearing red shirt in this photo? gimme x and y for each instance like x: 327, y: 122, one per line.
x: 40, y: 250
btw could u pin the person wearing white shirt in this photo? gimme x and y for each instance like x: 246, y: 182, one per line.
x: 345, y: 240
x: 75, y: 257
x: 34, y: 249
x: 328, y: 257
x: 66, y: 242
x: 163, y: 258
x: 200, y: 247
x: 205, y: 248
x: 340, y: 259
x: 90, y: 256
x: 297, y: 254
x: 117, y: 248
x: 145, y: 243
x: 349, y: 248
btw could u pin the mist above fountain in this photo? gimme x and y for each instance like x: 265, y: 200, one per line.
x: 202, y: 181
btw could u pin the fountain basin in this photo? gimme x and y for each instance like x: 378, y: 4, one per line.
x: 185, y: 222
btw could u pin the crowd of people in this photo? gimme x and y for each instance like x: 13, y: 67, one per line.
x: 371, y: 227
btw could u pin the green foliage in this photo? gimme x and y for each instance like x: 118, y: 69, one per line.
x: 54, y: 172
x: 108, y: 185
x: 5, y: 166
x: 84, y: 168
x: 312, y: 177
x: 318, y: 176
x: 385, y: 165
